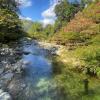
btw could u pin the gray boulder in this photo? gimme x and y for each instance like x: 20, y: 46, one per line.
x: 4, y: 95
x: 1, y: 70
x: 6, y: 78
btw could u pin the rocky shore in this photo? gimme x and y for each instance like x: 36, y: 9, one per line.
x: 10, y: 67
x: 52, y: 48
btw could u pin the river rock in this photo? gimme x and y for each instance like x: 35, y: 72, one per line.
x: 1, y: 70
x: 17, y: 67
x: 4, y: 95
x: 16, y: 86
x: 6, y: 78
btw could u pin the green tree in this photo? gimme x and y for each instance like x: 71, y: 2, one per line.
x: 12, y: 5
x: 84, y: 3
x: 36, y: 27
x: 10, y: 24
x: 36, y: 30
x: 65, y: 11
x: 49, y: 30
x: 91, y: 57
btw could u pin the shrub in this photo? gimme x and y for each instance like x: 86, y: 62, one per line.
x: 91, y: 57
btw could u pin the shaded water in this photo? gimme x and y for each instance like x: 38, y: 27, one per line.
x: 38, y: 75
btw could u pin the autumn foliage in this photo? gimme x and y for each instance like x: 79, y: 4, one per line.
x: 83, y: 26
x: 78, y: 24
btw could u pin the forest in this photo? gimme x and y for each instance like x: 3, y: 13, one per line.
x: 71, y: 46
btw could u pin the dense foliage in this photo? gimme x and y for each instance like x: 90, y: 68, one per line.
x: 36, y: 31
x: 65, y: 11
x: 10, y: 25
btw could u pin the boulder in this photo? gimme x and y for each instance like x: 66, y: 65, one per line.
x: 1, y: 70
x: 4, y: 95
x: 15, y: 87
x: 6, y: 78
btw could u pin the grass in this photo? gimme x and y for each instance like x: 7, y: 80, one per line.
x: 70, y: 82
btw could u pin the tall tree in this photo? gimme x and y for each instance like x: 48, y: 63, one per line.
x: 9, y: 4
x: 84, y: 3
x: 65, y: 11
x: 49, y: 30
x: 10, y: 24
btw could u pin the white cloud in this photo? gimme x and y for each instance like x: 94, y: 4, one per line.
x: 49, y: 12
x: 28, y: 18
x: 25, y: 3
x: 49, y: 15
x: 25, y: 18
x: 47, y: 21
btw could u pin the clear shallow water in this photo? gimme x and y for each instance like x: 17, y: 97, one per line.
x: 38, y: 76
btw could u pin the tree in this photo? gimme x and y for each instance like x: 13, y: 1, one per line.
x: 9, y: 4
x: 90, y: 55
x: 36, y: 30
x: 36, y: 27
x: 49, y: 30
x: 10, y: 24
x: 84, y: 3
x: 65, y: 11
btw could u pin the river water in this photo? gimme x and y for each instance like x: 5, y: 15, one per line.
x: 38, y: 75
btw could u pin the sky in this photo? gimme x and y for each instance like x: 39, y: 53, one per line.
x: 38, y: 10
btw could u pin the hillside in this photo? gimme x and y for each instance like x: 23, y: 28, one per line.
x: 81, y: 36
x: 82, y: 27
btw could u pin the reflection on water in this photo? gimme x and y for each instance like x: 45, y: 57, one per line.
x: 38, y: 76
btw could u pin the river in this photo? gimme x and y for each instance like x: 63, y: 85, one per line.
x: 38, y: 75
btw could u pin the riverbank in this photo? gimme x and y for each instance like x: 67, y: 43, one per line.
x: 11, y: 66
x: 62, y: 52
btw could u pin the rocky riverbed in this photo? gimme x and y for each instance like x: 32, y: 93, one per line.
x: 11, y: 66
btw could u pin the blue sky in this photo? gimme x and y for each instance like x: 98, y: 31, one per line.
x: 35, y: 9
x: 38, y: 10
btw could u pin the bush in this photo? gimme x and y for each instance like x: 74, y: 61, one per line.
x: 93, y: 11
x: 10, y: 24
x: 96, y: 40
x: 91, y: 57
